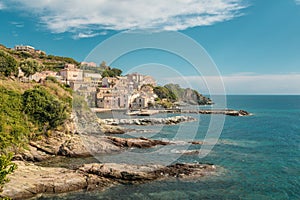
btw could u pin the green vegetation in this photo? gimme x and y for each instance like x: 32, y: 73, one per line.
x: 114, y: 72
x: 62, y: 59
x: 8, y: 64
x: 6, y: 167
x: 107, y: 71
x: 28, y: 110
x: 14, y: 128
x: 30, y: 67
x: 50, y: 62
x: 188, y: 95
x: 165, y: 93
x: 171, y: 93
x: 25, y: 115
x: 46, y: 110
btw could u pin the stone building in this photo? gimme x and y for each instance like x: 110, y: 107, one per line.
x: 71, y: 74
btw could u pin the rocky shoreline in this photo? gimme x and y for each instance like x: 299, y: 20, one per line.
x: 146, y: 112
x: 86, y: 139
x: 30, y: 180
x: 230, y: 112
x: 149, y: 121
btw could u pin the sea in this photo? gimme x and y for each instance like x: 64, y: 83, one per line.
x: 257, y: 156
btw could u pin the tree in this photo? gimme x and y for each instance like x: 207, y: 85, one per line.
x: 114, y: 72
x: 44, y: 108
x: 30, y: 67
x: 165, y: 93
x: 8, y: 65
x: 103, y: 65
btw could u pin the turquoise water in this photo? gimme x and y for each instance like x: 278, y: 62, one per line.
x: 259, y: 156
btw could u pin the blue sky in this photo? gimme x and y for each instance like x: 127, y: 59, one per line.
x: 254, y: 43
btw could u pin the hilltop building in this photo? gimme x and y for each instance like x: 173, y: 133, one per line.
x: 71, y: 74
x: 88, y: 64
x: 24, y: 48
x: 28, y: 48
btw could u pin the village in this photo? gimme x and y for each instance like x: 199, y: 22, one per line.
x: 132, y: 91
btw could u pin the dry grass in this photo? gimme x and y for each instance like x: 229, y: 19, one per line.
x: 16, y: 85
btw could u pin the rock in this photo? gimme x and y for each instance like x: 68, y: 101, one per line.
x: 108, y: 129
x: 30, y: 180
x: 225, y: 112
x: 136, y: 142
x: 125, y: 173
x: 87, y: 145
x: 196, y: 142
x: 180, y: 170
x: 149, y: 121
x: 186, y: 152
x: 243, y: 113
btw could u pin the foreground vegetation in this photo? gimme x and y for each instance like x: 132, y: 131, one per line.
x: 27, y: 111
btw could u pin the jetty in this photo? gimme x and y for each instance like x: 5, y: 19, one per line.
x: 229, y: 112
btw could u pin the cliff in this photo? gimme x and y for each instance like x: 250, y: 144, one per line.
x: 188, y: 95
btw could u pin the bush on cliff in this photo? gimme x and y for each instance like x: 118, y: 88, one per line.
x: 46, y: 110
x: 30, y: 67
x: 114, y: 72
x: 165, y: 93
x: 8, y: 65
x: 14, y: 128
x: 6, y: 167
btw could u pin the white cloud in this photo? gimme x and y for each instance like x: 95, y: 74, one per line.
x: 297, y: 2
x: 77, y: 15
x: 245, y: 84
x: 17, y: 24
x: 2, y: 6
x: 85, y: 35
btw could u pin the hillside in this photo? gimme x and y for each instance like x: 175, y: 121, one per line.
x: 172, y: 93
x: 188, y: 95
x: 49, y: 62
x: 29, y: 111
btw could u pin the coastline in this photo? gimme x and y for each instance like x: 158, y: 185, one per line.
x: 38, y: 180
x: 30, y: 181
x: 149, y: 112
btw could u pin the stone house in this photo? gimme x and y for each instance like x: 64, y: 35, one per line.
x: 138, y: 80
x: 40, y: 76
x: 71, y: 74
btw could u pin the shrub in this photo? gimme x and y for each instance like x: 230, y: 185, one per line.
x: 114, y: 72
x: 6, y: 167
x: 30, y: 67
x: 14, y: 128
x: 165, y: 93
x: 8, y: 65
x: 46, y: 110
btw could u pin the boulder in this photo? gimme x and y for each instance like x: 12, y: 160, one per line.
x: 136, y: 142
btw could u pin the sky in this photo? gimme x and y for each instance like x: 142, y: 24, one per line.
x: 253, y: 44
